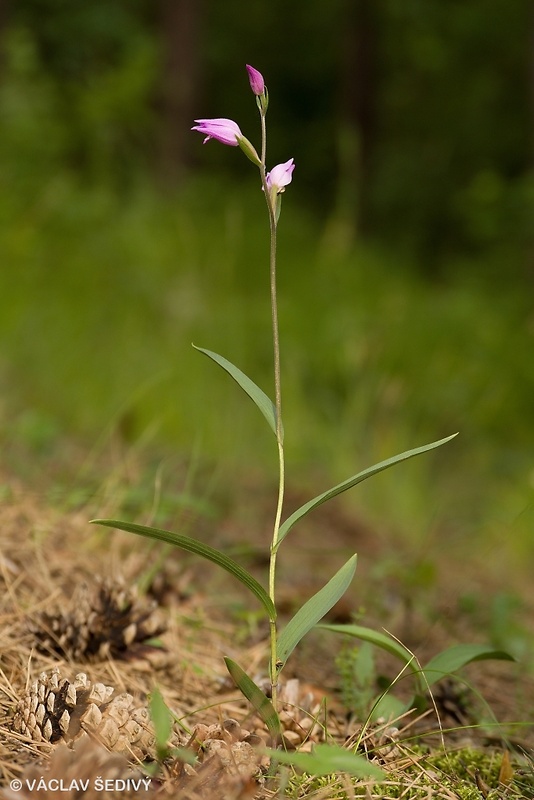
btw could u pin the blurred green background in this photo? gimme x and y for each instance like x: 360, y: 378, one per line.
x: 406, y: 252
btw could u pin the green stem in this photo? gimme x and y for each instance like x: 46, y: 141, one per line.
x: 274, y: 670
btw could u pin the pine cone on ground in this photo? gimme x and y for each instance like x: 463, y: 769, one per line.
x: 302, y: 715
x: 212, y: 780
x: 107, y: 620
x: 88, y: 771
x: 55, y: 709
x: 227, y: 767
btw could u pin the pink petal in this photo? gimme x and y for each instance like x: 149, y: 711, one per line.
x: 281, y: 175
x: 257, y: 84
x: 224, y: 130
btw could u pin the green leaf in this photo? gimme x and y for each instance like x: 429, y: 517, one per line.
x: 255, y: 696
x: 183, y: 754
x: 265, y: 405
x: 454, y: 658
x: 327, y: 759
x: 450, y: 660
x: 162, y: 720
x: 200, y: 549
x: 348, y: 484
x: 383, y: 640
x: 389, y: 707
x: 315, y: 609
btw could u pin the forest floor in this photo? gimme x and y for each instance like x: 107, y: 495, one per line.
x: 83, y: 608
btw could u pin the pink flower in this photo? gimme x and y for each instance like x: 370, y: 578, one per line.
x: 224, y: 130
x: 257, y: 84
x: 280, y: 176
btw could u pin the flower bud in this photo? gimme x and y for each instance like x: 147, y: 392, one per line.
x: 257, y: 84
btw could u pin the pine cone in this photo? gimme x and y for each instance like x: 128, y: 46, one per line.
x: 300, y: 715
x: 227, y: 765
x: 55, y: 709
x: 211, y: 780
x: 82, y: 773
x: 109, y: 620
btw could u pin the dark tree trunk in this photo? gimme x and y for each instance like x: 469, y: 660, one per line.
x: 531, y: 79
x: 180, y: 23
x: 4, y: 22
x: 530, y: 100
x: 359, y: 99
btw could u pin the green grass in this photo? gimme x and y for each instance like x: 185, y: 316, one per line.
x: 100, y: 299
x: 437, y: 775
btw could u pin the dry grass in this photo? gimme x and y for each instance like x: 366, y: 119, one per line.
x: 47, y: 555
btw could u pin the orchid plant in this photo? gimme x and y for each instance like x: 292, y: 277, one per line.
x: 281, y: 643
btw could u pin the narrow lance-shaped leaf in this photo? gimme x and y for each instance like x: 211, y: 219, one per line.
x: 326, y: 759
x: 255, y: 696
x: 454, y: 658
x: 383, y: 640
x: 387, y: 706
x: 350, y: 482
x: 265, y: 405
x: 200, y: 549
x: 444, y: 663
x: 314, y: 610
x: 162, y: 721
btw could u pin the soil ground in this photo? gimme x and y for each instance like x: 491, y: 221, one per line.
x: 48, y: 553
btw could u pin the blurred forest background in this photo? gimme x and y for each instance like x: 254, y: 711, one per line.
x: 406, y: 245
